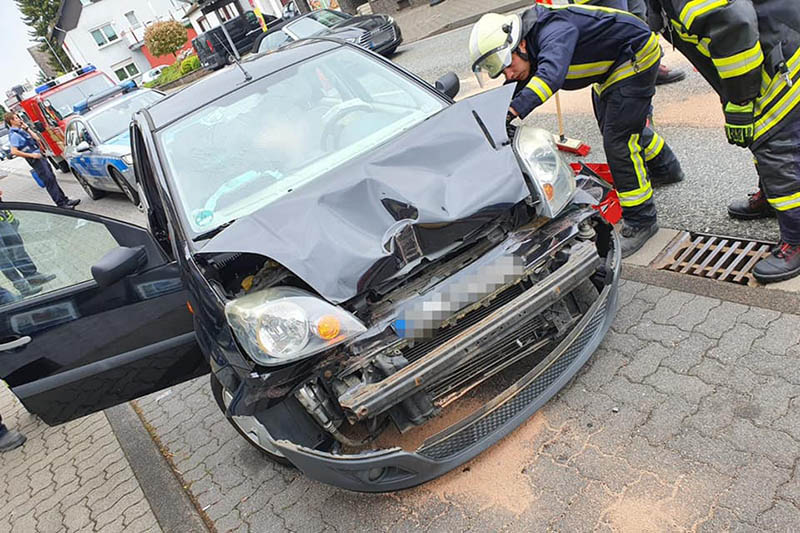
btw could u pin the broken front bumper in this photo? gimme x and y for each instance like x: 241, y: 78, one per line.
x: 393, y: 469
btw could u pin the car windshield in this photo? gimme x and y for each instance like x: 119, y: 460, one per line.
x: 63, y: 100
x: 114, y: 120
x: 270, y: 138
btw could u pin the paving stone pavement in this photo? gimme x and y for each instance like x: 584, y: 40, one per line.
x: 73, y: 477
x: 686, y: 418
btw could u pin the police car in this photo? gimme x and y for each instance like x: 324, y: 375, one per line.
x: 98, y: 147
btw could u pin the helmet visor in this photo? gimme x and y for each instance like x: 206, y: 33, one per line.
x: 493, y: 62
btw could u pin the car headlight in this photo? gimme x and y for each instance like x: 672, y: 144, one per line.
x: 389, y: 19
x: 283, y: 324
x: 128, y: 159
x: 551, y: 175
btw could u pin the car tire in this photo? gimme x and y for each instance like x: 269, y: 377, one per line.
x: 217, y: 391
x: 126, y: 188
x: 91, y: 192
x: 63, y: 166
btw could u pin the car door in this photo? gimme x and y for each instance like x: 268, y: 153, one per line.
x: 82, y: 160
x: 100, y: 332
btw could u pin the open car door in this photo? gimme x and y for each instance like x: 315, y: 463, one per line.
x: 111, y: 325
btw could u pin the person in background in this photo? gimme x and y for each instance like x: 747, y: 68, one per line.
x: 15, y: 263
x: 25, y: 144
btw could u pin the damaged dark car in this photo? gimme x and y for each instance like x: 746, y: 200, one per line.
x: 383, y: 283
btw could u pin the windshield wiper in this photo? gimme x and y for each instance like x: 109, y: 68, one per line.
x: 211, y: 233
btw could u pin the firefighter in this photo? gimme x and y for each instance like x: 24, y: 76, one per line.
x: 549, y: 48
x: 750, y: 54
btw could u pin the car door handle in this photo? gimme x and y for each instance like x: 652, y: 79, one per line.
x: 16, y: 343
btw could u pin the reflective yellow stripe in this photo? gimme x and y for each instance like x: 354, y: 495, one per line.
x: 784, y: 105
x: 778, y: 83
x: 637, y: 197
x: 654, y: 148
x: 644, y: 191
x: 591, y: 8
x: 739, y: 64
x: 6, y: 216
x: 644, y: 59
x: 700, y: 44
x: 541, y: 89
x: 785, y: 203
x: 696, y: 8
x: 588, y: 70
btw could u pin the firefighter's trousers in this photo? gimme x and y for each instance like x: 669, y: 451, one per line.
x: 778, y: 165
x: 633, y: 150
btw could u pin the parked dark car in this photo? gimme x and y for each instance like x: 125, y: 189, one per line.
x: 379, y: 33
x: 383, y: 283
x: 212, y: 47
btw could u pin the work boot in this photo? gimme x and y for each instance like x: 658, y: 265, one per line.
x: 10, y: 439
x: 633, y: 237
x: 40, y: 279
x: 783, y: 263
x: 72, y: 203
x: 665, y: 75
x: 755, y: 206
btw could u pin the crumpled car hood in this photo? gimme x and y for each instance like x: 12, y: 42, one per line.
x: 384, y: 212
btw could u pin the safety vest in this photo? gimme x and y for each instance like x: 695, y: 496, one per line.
x: 747, y: 51
x: 6, y: 216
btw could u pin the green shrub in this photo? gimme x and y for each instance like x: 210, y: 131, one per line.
x: 189, y: 64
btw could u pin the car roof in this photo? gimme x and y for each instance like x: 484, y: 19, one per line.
x: 111, y: 102
x: 229, y: 79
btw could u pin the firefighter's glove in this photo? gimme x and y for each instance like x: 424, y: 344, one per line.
x: 511, y: 129
x: 740, y: 123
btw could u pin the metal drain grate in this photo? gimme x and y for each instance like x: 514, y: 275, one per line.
x: 712, y: 256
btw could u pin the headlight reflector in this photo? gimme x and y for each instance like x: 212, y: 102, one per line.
x: 128, y: 159
x: 552, y: 176
x: 283, y: 324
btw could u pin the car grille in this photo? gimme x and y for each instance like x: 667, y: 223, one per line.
x: 380, y: 36
x: 484, y: 426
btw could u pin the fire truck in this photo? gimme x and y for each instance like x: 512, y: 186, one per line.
x: 47, y: 107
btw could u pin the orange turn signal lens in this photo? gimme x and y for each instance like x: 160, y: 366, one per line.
x: 549, y: 192
x: 328, y: 327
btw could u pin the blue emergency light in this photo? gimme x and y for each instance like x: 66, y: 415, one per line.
x: 66, y: 77
x: 84, y: 105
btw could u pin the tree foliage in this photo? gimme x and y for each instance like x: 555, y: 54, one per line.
x: 165, y: 37
x: 39, y: 16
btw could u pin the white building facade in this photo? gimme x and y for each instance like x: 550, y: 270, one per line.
x: 109, y: 34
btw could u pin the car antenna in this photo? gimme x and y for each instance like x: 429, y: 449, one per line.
x: 234, y: 55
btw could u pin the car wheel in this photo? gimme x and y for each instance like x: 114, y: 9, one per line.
x: 63, y: 166
x: 91, y: 192
x: 247, y: 426
x: 126, y: 188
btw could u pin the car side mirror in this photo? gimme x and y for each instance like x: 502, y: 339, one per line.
x: 117, y: 264
x: 448, y: 84
x: 38, y: 126
x: 83, y: 146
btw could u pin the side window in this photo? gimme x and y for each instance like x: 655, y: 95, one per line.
x: 49, y: 114
x: 43, y: 252
x: 81, y: 134
x: 273, y: 41
x: 70, y: 135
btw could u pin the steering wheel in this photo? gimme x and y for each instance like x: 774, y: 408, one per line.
x: 334, y: 115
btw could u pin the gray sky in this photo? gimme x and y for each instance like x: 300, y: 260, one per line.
x: 16, y: 63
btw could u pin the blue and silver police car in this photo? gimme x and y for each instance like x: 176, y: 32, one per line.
x: 98, y: 147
